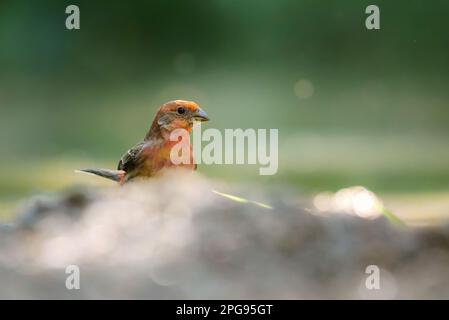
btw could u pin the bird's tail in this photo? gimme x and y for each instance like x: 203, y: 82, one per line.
x: 115, y: 175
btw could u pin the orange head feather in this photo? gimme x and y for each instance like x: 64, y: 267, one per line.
x: 176, y: 114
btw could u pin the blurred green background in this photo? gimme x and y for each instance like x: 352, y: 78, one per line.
x: 353, y: 106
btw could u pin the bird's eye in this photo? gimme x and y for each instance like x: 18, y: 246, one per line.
x: 181, y: 110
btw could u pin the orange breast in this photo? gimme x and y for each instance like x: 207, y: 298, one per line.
x: 157, y: 158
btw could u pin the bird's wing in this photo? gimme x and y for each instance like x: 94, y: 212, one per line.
x: 129, y: 160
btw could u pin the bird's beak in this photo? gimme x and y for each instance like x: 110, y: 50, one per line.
x: 200, y: 115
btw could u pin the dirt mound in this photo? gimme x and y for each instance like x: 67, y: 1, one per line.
x: 175, y: 238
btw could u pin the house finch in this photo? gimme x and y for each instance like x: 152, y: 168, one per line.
x: 152, y: 154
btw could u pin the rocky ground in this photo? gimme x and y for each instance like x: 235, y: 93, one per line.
x: 175, y: 238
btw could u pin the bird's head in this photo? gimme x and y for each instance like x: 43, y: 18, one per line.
x: 177, y: 114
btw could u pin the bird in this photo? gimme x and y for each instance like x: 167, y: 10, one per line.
x: 152, y: 154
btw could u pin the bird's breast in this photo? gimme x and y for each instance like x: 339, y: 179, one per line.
x: 155, y: 158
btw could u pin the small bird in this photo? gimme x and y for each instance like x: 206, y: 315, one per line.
x: 148, y: 157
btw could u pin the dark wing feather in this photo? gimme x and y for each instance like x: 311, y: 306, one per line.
x: 130, y: 159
